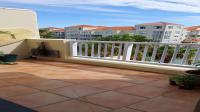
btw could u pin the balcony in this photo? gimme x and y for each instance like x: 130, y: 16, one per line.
x: 93, y: 76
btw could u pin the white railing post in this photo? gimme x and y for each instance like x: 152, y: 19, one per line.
x: 155, y: 50
x: 112, y: 51
x: 162, y: 60
x: 127, y: 51
x: 120, y: 52
x: 105, y: 50
x: 99, y: 50
x: 186, y: 54
x: 86, y: 49
x: 175, y: 54
x: 145, y: 52
x: 136, y: 52
x: 73, y: 49
x: 197, y: 56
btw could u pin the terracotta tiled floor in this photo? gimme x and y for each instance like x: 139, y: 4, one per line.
x: 47, y: 86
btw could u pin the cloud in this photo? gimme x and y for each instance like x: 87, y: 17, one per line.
x: 189, y: 6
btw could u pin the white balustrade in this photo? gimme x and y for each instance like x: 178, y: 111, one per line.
x: 144, y: 52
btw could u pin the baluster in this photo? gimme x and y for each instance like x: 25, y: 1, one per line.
x: 73, y: 49
x: 164, y: 54
x: 86, y: 49
x: 197, y: 56
x: 105, y: 49
x: 155, y: 49
x: 145, y: 52
x: 176, y: 50
x: 112, y: 50
x: 80, y: 49
x: 99, y: 50
x: 120, y: 51
x: 136, y: 52
x: 92, y: 51
x: 186, y: 54
x: 127, y: 51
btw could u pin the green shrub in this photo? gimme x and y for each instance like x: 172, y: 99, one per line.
x: 174, y: 80
x: 1, y: 53
x: 188, y: 82
x: 184, y: 81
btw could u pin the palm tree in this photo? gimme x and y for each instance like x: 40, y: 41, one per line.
x: 9, y: 33
x: 45, y: 33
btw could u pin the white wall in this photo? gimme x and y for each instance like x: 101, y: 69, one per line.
x: 23, y: 25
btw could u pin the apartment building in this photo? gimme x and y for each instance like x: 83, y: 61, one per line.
x: 109, y: 31
x: 88, y: 32
x: 58, y: 32
x: 192, y: 34
x: 161, y: 32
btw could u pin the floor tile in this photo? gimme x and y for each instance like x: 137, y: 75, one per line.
x: 112, y: 99
x: 49, y: 84
x: 126, y: 110
x: 15, y: 91
x: 37, y: 99
x: 109, y: 84
x: 162, y: 104
x: 143, y: 91
x: 4, y: 84
x: 72, y: 106
x: 161, y: 84
x: 8, y: 75
x: 76, y: 91
x: 185, y: 95
x: 25, y: 80
x: 138, y: 80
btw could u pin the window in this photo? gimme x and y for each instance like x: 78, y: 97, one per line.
x: 142, y: 27
x: 179, y: 27
x: 166, y: 37
x: 177, y: 32
x: 157, y: 27
x: 142, y: 33
x: 168, y: 33
x: 170, y: 27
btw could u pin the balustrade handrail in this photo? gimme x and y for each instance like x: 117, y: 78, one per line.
x: 118, y: 42
x: 138, y: 51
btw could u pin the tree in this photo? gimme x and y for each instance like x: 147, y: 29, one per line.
x: 9, y: 33
x: 126, y: 37
x: 45, y: 33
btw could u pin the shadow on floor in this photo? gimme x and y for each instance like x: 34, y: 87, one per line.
x: 7, y: 106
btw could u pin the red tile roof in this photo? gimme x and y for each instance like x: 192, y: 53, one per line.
x: 159, y: 23
x: 59, y: 30
x: 192, y: 40
x: 86, y: 26
x: 193, y: 28
x: 117, y: 28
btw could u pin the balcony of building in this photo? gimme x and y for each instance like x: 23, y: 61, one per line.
x: 97, y: 76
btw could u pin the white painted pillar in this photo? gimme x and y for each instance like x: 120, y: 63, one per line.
x: 127, y: 52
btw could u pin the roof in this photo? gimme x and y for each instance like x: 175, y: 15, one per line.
x: 86, y: 26
x: 117, y: 28
x: 159, y: 23
x: 193, y: 28
x: 59, y: 30
x: 192, y: 40
x: 55, y: 29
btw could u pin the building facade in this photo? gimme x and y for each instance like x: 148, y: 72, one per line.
x: 58, y: 32
x: 87, y: 32
x: 192, y: 34
x: 161, y: 32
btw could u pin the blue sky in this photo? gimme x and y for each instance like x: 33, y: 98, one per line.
x: 61, y: 13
